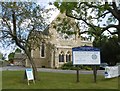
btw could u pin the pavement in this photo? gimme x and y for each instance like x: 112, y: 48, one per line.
x: 17, y: 68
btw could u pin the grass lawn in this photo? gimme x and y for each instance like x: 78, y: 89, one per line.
x: 14, y: 80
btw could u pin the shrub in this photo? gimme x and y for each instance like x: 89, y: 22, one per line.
x: 67, y: 66
x: 70, y: 66
x: 87, y: 68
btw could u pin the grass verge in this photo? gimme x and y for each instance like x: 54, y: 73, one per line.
x: 15, y: 80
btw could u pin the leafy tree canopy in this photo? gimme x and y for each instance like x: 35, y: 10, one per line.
x: 17, y: 50
x: 11, y: 56
x: 96, y: 15
x: 1, y: 55
x: 110, y: 50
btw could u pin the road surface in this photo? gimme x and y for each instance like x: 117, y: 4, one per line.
x: 16, y: 68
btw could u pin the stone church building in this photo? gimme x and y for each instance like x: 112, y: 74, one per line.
x: 56, y: 49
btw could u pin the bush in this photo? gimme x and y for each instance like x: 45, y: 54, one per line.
x: 87, y: 68
x: 70, y: 66
x: 67, y: 66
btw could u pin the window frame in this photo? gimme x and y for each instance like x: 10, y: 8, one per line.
x: 43, y: 43
x: 61, y: 57
x: 68, y: 57
x: 32, y: 54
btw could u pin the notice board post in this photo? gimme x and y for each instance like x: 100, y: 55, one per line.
x: 86, y: 55
x: 95, y: 73
x: 77, y: 73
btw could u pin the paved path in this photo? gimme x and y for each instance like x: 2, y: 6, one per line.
x: 100, y: 72
x: 16, y: 68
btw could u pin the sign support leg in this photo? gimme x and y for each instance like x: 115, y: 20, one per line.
x: 28, y: 82
x: 95, y: 73
x: 77, y: 73
x: 34, y: 81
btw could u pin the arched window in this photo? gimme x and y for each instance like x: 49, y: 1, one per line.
x: 61, y: 57
x: 68, y: 57
x: 42, y: 50
x: 32, y: 53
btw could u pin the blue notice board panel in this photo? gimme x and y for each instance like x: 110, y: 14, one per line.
x: 86, y: 55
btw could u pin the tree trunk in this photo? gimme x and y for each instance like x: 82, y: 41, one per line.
x: 119, y: 39
x: 119, y: 34
x: 35, y: 73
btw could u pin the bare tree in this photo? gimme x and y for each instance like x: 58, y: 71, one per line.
x: 18, y: 21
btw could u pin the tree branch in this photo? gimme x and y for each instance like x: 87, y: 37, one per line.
x: 14, y: 24
x: 114, y: 6
x: 109, y: 26
x: 83, y: 32
x: 104, y: 14
x: 113, y: 11
x: 7, y: 24
x: 112, y: 33
x: 79, y: 18
x: 89, y: 5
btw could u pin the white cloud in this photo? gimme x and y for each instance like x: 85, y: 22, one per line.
x: 52, y: 13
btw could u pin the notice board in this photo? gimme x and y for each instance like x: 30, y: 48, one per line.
x: 86, y: 55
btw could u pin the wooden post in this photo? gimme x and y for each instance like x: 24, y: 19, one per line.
x: 95, y: 73
x: 77, y: 71
x: 33, y: 81
x: 28, y: 82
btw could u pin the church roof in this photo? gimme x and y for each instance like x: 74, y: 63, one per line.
x: 46, y: 31
x: 19, y: 56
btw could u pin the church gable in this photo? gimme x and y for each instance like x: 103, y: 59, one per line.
x: 63, y: 31
x: 63, y: 27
